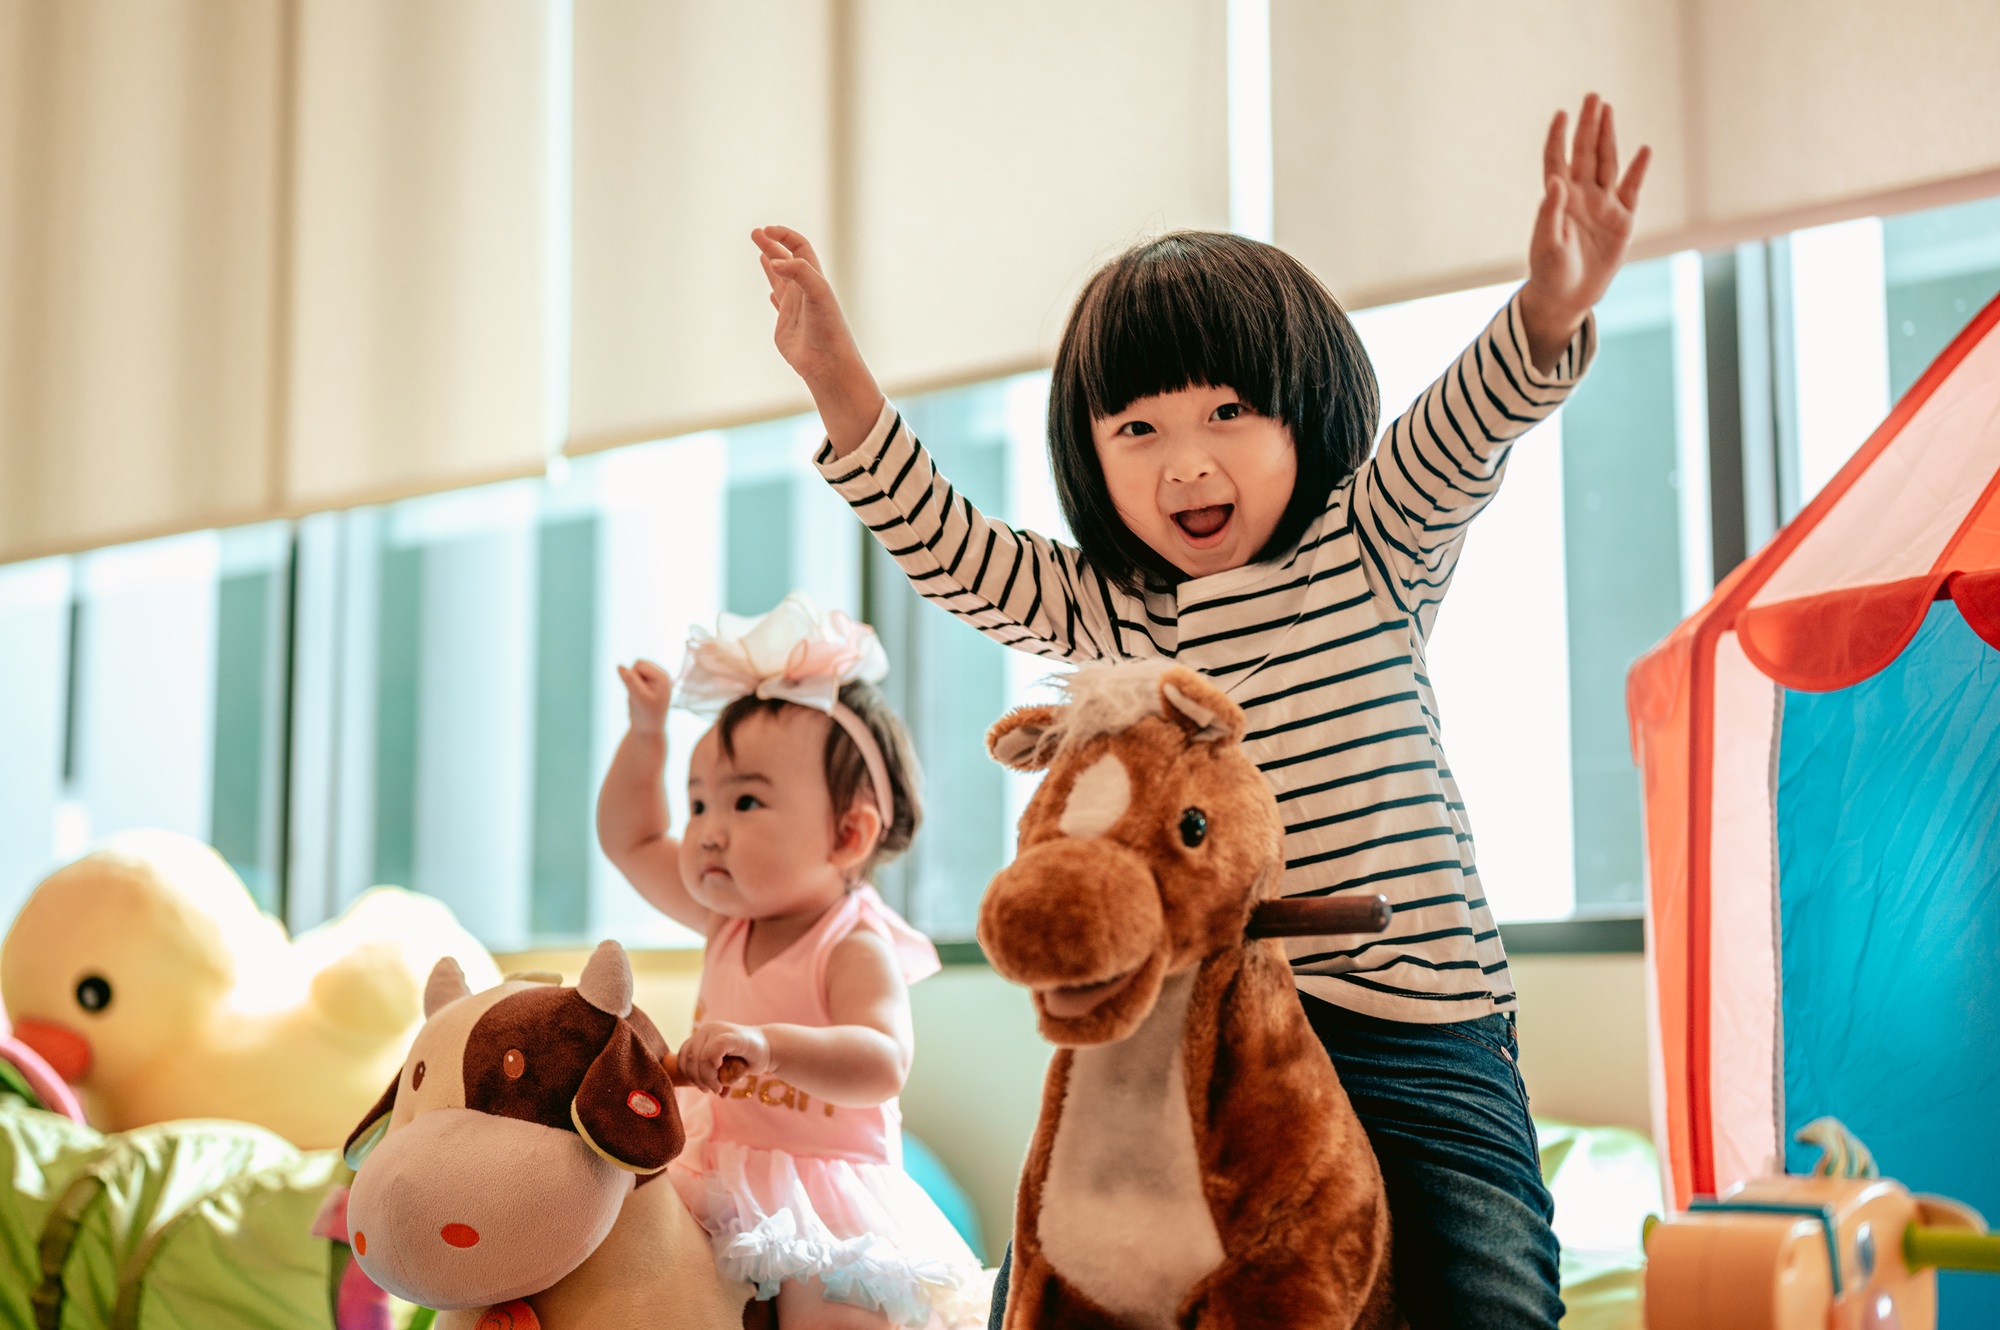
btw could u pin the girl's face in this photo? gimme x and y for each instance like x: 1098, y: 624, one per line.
x: 1198, y: 475
x: 761, y: 838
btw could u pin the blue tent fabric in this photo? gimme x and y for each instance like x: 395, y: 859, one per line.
x: 1888, y: 833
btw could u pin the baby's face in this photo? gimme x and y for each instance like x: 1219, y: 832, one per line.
x: 1198, y: 475
x: 761, y: 835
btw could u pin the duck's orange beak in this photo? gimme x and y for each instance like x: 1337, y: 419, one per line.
x: 66, y: 1051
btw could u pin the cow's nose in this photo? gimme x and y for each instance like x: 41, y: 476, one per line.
x: 459, y: 1235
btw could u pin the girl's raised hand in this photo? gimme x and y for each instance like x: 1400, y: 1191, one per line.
x: 648, y: 691
x: 1582, y: 230
x: 813, y: 337
x: 704, y: 1056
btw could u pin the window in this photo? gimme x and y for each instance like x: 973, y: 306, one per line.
x: 422, y: 693
x: 1592, y: 551
x: 145, y: 685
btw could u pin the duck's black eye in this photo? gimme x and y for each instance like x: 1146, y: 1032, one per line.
x: 93, y: 993
x: 1194, y: 827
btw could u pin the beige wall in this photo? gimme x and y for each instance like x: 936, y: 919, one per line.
x: 976, y: 1086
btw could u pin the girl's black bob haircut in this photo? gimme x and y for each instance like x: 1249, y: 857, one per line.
x: 1206, y: 309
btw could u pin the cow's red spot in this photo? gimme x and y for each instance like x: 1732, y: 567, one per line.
x: 360, y: 1243
x: 459, y: 1235
x: 643, y: 1104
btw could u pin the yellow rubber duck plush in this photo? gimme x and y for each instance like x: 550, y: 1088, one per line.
x: 147, y: 976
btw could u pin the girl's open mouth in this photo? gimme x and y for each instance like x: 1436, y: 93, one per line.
x: 1203, y: 525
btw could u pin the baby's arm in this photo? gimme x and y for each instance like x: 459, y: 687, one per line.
x: 860, y: 1060
x: 632, y: 816
x: 1021, y: 589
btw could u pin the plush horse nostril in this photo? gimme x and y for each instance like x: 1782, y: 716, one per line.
x: 459, y: 1235
x: 360, y: 1243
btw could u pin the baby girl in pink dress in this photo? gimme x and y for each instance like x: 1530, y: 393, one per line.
x: 802, y: 1035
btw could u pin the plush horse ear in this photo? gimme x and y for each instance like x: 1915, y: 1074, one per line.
x: 445, y: 986
x: 374, y: 1125
x: 625, y: 1109
x: 1024, y: 738
x: 1199, y: 707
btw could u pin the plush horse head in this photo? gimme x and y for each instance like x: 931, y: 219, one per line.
x: 501, y: 1157
x: 1145, y: 849
x: 1196, y: 1162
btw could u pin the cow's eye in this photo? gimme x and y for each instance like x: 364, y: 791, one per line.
x: 1194, y: 827
x: 513, y: 1064
x: 417, y: 1077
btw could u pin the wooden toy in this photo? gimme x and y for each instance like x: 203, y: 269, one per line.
x: 1839, y: 1249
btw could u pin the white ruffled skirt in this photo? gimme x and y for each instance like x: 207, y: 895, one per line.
x: 867, y: 1232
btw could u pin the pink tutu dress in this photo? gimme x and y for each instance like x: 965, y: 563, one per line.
x: 792, y: 1187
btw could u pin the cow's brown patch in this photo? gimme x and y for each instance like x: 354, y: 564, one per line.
x: 561, y: 1035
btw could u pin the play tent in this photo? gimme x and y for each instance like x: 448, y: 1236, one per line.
x: 1820, y: 748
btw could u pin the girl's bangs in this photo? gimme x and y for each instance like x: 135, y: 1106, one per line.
x: 1161, y: 326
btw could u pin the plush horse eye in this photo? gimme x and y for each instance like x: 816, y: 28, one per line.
x: 94, y: 993
x: 417, y: 1077
x: 513, y: 1064
x: 1194, y: 827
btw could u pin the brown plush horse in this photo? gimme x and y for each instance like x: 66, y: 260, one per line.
x: 1196, y: 1163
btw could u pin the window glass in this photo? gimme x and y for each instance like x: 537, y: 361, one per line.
x: 1939, y: 269
x: 144, y: 686
x: 950, y: 682
x: 1579, y: 565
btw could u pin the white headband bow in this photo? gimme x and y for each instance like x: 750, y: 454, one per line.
x: 796, y: 653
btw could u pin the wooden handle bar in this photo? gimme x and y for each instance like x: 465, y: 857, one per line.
x: 1319, y: 916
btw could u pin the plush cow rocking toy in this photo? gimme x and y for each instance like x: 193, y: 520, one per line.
x: 506, y: 1176
x: 1196, y: 1163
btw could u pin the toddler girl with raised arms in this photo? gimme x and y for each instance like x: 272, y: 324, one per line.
x: 1211, y: 416
x: 802, y: 1041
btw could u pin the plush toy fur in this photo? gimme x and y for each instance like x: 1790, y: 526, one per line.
x: 510, y: 1162
x: 211, y: 1011
x: 1196, y: 1162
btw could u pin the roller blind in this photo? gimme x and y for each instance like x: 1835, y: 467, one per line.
x: 1407, y: 137
x: 420, y: 247
x: 1000, y: 152
x: 139, y: 163
x: 694, y: 123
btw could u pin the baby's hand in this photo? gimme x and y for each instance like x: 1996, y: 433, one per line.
x: 718, y: 1054
x: 648, y: 690
x: 1581, y: 231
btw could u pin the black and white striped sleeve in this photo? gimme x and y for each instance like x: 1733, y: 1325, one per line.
x: 1442, y: 460
x: 1021, y: 589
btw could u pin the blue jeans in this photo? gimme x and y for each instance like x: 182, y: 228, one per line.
x: 1447, y: 1113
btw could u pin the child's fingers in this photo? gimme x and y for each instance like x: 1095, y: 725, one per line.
x: 769, y: 242
x: 1635, y: 175
x: 1607, y: 151
x: 796, y: 242
x: 1552, y: 147
x: 1583, y: 152
x: 1549, y: 220
x: 808, y: 278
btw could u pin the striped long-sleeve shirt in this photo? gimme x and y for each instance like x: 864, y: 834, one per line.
x: 1323, y: 649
